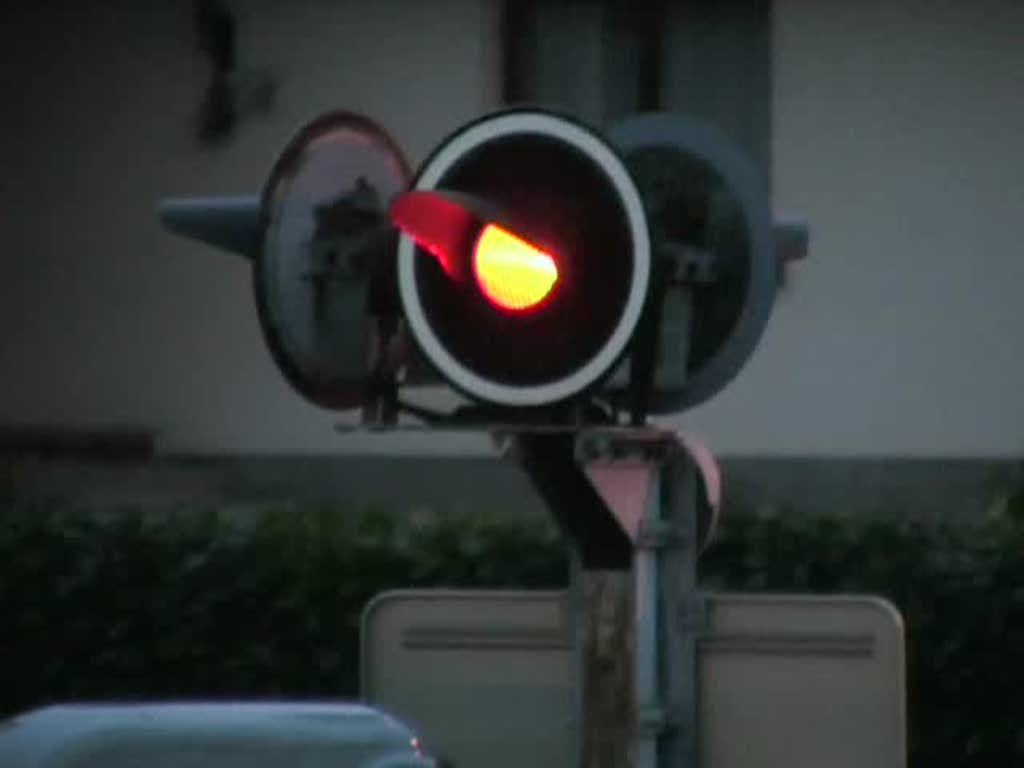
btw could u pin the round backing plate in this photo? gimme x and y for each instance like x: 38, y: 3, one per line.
x: 327, y: 192
x: 683, y: 167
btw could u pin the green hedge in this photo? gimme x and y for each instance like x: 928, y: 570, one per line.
x: 200, y: 605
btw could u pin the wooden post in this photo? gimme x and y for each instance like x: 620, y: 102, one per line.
x: 613, y: 732
x: 609, y: 711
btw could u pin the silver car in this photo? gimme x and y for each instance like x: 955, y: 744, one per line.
x: 209, y: 735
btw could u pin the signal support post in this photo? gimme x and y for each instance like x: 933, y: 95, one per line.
x: 637, y: 683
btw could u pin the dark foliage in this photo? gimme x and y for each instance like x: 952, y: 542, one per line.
x: 136, y: 605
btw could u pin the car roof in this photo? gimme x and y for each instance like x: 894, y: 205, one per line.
x: 32, y: 738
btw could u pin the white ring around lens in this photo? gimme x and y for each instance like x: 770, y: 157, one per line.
x: 481, y: 132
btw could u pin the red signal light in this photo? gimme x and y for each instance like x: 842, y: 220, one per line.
x: 511, y: 273
x: 552, y: 271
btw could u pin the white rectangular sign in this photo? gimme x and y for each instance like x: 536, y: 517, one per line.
x: 786, y: 680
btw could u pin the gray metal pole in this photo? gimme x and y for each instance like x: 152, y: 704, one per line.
x: 576, y: 618
x: 682, y: 606
x: 683, y: 609
x: 647, y: 631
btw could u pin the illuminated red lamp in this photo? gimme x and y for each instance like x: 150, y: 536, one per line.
x: 511, y: 273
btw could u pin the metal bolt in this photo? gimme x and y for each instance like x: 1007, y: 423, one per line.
x: 651, y: 721
x: 693, y: 615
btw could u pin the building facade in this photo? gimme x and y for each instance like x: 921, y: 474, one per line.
x: 893, y: 128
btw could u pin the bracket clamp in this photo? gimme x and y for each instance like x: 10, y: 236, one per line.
x: 692, y: 615
x: 657, y: 535
x: 655, y: 447
x: 652, y: 722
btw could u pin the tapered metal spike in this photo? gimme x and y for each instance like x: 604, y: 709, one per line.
x: 229, y: 223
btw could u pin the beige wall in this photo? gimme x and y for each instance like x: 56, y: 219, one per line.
x: 106, y: 319
x: 897, y: 134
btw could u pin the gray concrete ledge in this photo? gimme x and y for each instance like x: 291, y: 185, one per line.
x: 948, y: 488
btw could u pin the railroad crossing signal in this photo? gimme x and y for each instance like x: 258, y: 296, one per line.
x: 566, y: 282
x: 546, y: 271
